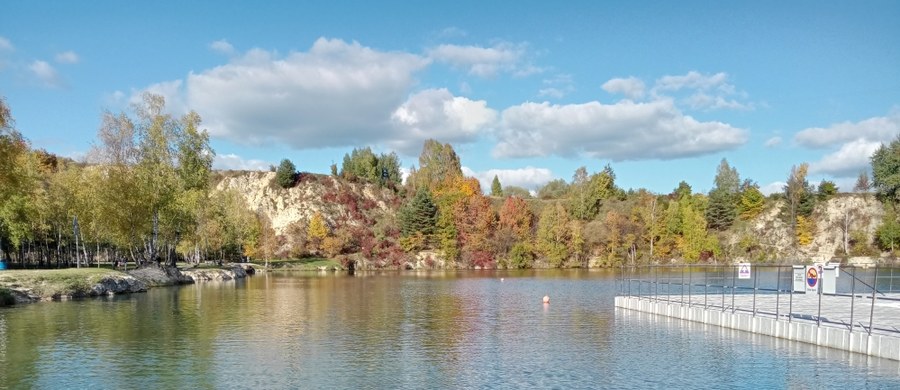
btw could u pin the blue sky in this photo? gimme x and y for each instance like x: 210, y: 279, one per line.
x: 527, y: 90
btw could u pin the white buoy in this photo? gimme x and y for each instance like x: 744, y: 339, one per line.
x: 501, y: 279
x: 546, y: 299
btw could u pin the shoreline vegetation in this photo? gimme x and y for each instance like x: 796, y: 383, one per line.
x: 146, y: 194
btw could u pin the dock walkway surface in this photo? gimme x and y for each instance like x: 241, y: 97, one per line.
x: 836, y: 310
x: 800, y: 317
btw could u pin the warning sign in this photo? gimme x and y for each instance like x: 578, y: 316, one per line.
x: 812, y: 278
x: 743, y: 270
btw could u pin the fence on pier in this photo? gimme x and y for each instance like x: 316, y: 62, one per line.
x: 864, y: 299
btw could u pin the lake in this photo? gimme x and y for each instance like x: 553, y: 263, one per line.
x: 410, y: 330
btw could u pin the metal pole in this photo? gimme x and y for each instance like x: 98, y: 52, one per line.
x: 778, y: 293
x: 819, y: 289
x: 791, y: 301
x: 656, y: 282
x: 690, y: 286
x: 723, y: 287
x: 755, y: 279
x: 705, y: 285
x: 733, y: 275
x: 874, y: 297
x: 852, y: 295
x: 682, y: 285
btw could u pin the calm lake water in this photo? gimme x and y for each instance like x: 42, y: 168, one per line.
x: 401, y: 330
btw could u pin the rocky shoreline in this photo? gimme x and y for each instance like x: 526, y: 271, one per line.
x: 139, y: 280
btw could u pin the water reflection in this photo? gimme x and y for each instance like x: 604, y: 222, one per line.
x: 398, y: 330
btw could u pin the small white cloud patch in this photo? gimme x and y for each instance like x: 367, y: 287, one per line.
x: 235, y: 162
x: 631, y: 87
x: 222, y: 46
x: 6, y: 45
x: 529, y: 177
x: 45, y: 73
x: 67, y: 57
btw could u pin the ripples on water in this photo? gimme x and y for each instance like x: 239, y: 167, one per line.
x: 401, y: 330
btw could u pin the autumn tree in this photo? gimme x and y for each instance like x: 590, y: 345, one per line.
x: 554, y: 189
x: 517, y: 192
x: 553, y: 234
x: 514, y: 224
x: 364, y: 165
x: 752, y: 202
x: 438, y: 165
x: 798, y: 196
x: 316, y: 231
x: 475, y: 219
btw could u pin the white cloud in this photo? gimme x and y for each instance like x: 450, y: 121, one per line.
x: 528, y: 177
x: 694, y: 80
x: 772, y: 188
x: 6, y: 45
x: 222, y: 46
x: 67, y: 57
x: 773, y: 142
x: 235, y: 162
x: 170, y: 90
x: 848, y: 161
x: 557, y: 87
x: 484, y: 61
x: 699, y: 91
x: 621, y: 131
x: 335, y: 94
x: 704, y: 101
x: 880, y: 129
x: 436, y: 113
x: 45, y: 73
x: 632, y: 87
x: 452, y: 32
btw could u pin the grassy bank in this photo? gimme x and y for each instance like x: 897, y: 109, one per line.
x: 306, y: 264
x: 53, y: 282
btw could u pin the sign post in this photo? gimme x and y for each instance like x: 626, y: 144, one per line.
x: 744, y: 270
x: 812, y: 278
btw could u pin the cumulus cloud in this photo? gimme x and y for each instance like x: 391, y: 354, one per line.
x: 335, y: 94
x: 235, y: 162
x: 847, y: 161
x: 484, y: 61
x: 773, y: 142
x: 67, y: 57
x: 528, y: 177
x: 6, y: 45
x: 222, y: 46
x: 436, y: 113
x: 631, y: 87
x: 45, y: 73
x: 622, y: 131
x: 880, y: 129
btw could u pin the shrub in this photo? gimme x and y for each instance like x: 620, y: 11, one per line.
x: 6, y: 298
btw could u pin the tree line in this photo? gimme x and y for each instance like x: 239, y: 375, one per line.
x: 145, y: 194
